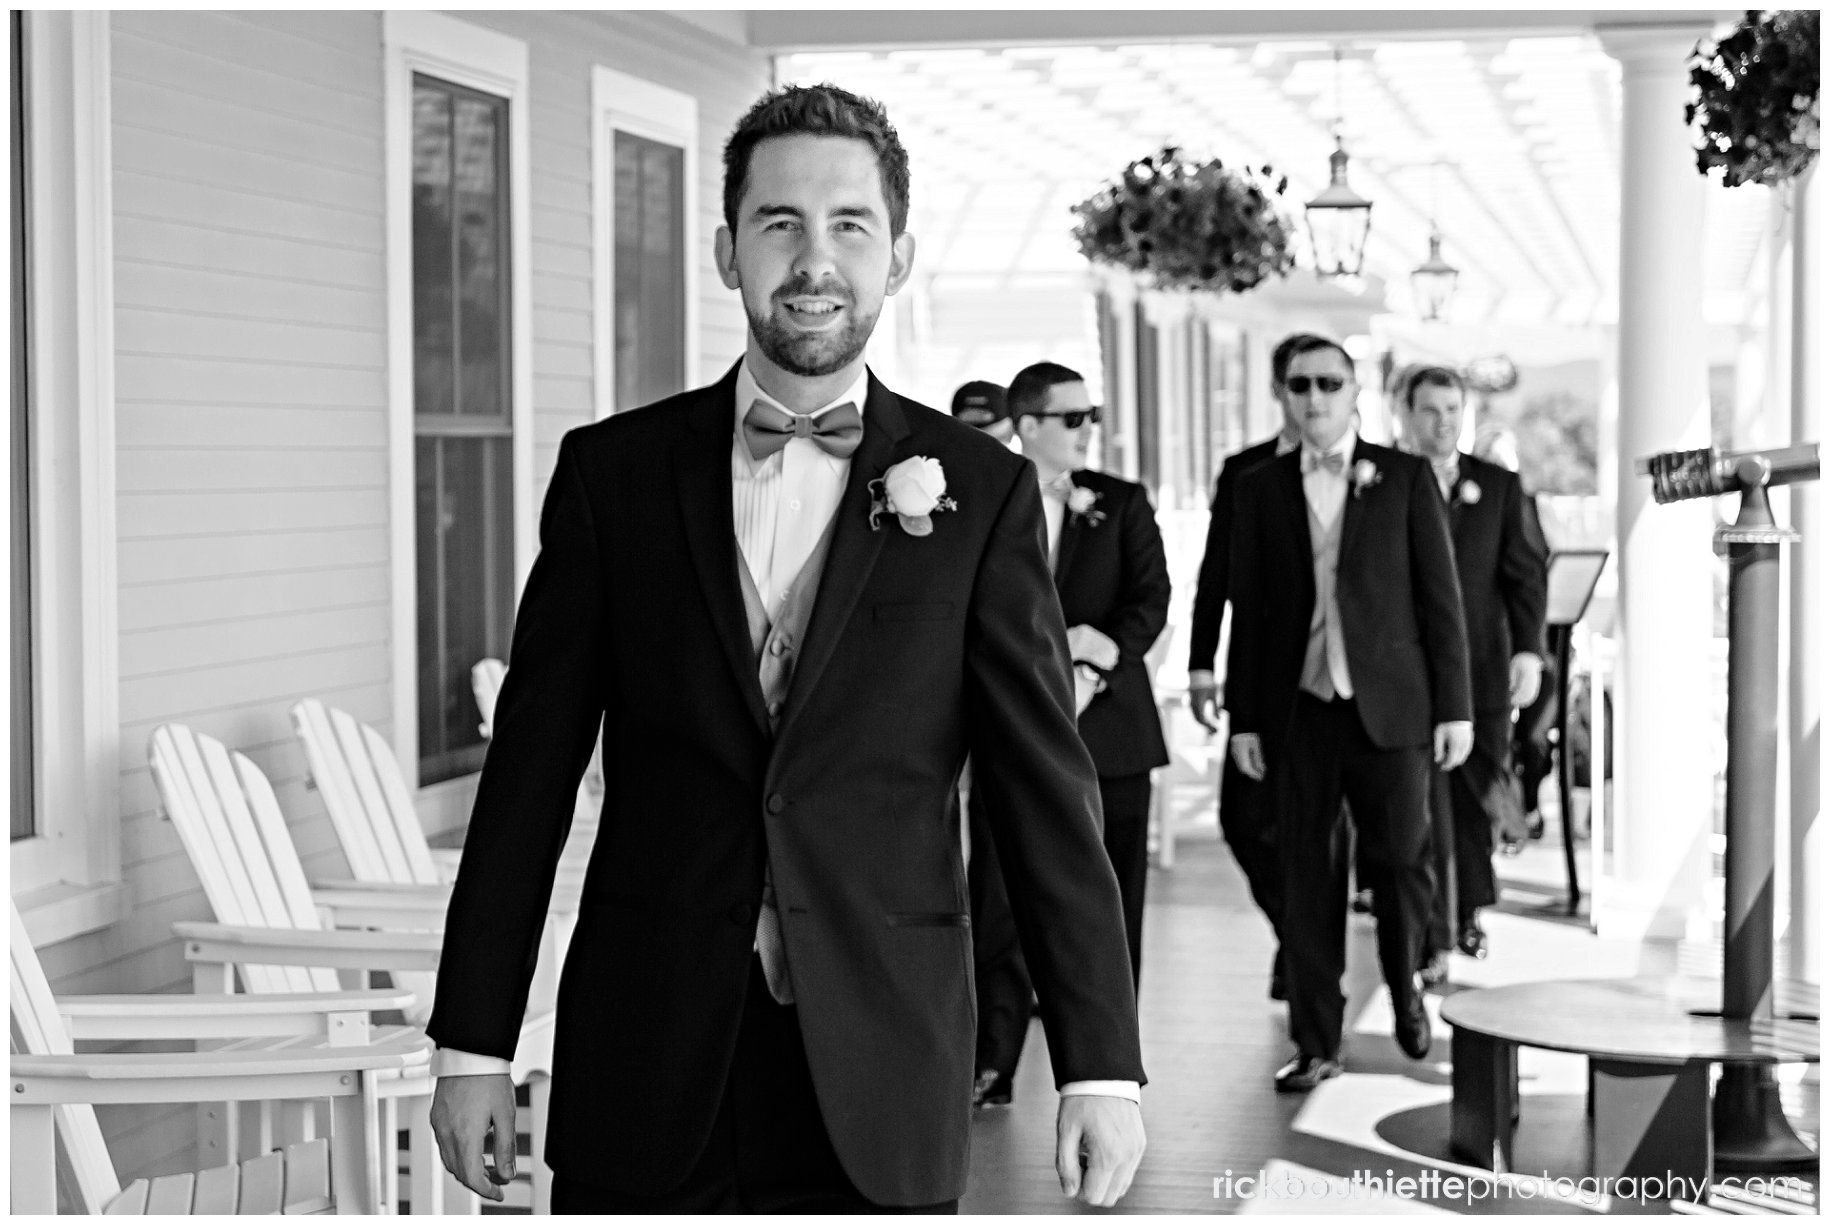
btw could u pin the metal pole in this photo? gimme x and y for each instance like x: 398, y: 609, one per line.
x: 1566, y: 760
x: 1751, y: 1128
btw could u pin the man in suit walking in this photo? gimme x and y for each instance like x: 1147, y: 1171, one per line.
x: 1113, y: 583
x: 1500, y: 558
x: 796, y: 600
x: 1346, y: 676
x: 1246, y: 818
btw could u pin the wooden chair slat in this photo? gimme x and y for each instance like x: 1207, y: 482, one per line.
x: 343, y: 799
x: 282, y: 859
x: 486, y: 685
x: 218, y: 1191
x: 38, y: 1029
x: 307, y: 1177
x: 170, y: 1195
x: 263, y: 1183
x: 382, y: 826
x: 130, y: 1202
x: 420, y: 865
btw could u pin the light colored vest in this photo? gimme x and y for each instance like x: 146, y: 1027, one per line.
x: 1326, y: 655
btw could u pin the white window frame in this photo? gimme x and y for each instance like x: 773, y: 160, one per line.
x: 66, y: 879
x: 492, y: 63
x: 624, y: 103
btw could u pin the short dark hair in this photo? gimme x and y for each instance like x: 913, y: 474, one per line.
x: 980, y: 404
x: 1431, y: 376
x: 1295, y: 346
x: 818, y: 110
x: 1028, y: 394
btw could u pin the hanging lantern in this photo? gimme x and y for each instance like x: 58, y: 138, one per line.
x: 1339, y: 221
x: 1433, y: 281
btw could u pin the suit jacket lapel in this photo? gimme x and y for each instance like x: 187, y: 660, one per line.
x: 855, y: 545
x: 1289, y: 483
x: 1071, y: 528
x: 702, y: 479
x: 1351, y: 509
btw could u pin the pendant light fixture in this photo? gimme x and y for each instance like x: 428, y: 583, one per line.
x: 1339, y: 218
x: 1433, y: 281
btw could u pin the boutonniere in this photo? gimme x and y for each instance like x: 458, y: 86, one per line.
x: 1365, y: 475
x: 914, y: 491
x: 1083, y: 502
x: 1469, y: 493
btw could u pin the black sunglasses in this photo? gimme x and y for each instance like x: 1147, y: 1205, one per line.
x: 1073, y: 419
x: 1299, y: 384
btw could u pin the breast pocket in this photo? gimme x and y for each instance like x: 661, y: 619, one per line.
x: 940, y: 611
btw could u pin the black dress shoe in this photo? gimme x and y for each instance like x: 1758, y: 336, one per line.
x: 1412, y: 1028
x: 1472, y: 940
x: 1435, y: 971
x: 1305, y: 1072
x: 991, y: 1089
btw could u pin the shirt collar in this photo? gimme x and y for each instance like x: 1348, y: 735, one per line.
x: 749, y: 391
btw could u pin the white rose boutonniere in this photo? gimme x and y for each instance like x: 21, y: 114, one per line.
x: 1082, y: 502
x: 913, y: 490
x: 1365, y: 475
x: 1469, y: 493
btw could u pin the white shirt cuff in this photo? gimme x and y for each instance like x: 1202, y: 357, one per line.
x: 447, y: 1062
x: 1127, y: 1089
x: 1199, y: 678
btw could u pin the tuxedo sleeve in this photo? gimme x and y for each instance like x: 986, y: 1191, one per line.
x: 1523, y: 574
x: 1137, y: 620
x: 1245, y: 583
x: 1210, y: 585
x: 546, y: 719
x: 1436, y: 590
x: 1042, y: 800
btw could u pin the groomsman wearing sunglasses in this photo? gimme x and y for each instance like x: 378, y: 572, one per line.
x: 1245, y: 812
x: 1113, y: 583
x: 1501, y: 557
x: 1347, y: 677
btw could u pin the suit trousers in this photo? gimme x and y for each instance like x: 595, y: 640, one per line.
x: 1248, y: 823
x: 1328, y: 758
x: 768, y: 1151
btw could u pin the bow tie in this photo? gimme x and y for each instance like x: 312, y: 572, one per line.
x: 1334, y: 461
x: 1060, y: 488
x: 837, y: 431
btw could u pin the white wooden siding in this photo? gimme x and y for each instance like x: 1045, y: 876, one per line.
x: 251, y: 380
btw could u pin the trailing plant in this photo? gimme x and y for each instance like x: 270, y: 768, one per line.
x: 1756, y: 103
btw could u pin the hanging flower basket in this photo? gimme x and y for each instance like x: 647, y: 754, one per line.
x: 1181, y: 224
x: 1756, y: 105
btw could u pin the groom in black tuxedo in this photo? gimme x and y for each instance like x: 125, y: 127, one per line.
x: 795, y: 600
x: 1500, y: 558
x: 1346, y: 677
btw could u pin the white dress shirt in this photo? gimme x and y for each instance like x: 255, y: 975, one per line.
x: 779, y: 508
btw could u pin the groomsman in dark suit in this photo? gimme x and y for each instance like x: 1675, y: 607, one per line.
x: 1113, y: 584
x: 1500, y: 558
x: 1346, y: 677
x: 1246, y: 818
x: 794, y: 601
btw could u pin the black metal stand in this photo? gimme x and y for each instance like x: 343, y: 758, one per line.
x: 1564, y: 636
x: 1751, y: 1131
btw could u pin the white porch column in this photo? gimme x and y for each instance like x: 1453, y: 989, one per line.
x: 1666, y: 744
x: 1805, y: 625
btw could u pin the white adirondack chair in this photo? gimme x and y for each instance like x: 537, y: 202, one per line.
x: 55, y: 1091
x: 486, y: 683
x: 270, y: 930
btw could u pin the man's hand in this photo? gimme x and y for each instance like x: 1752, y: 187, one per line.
x: 1085, y: 642
x: 1109, y: 1132
x: 1527, y: 674
x: 1454, y: 741
x: 1248, y: 755
x: 1204, y: 698
x: 464, y: 1110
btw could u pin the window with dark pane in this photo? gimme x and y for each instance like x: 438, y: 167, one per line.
x: 463, y: 434
x: 24, y: 816
x: 650, y: 270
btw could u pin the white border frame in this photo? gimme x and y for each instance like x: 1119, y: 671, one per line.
x: 620, y: 102
x: 66, y: 880
x: 494, y: 63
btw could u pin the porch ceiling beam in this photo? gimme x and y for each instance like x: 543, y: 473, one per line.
x: 790, y: 30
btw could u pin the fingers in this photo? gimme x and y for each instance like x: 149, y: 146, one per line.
x: 504, y: 1172
x: 1110, y: 1134
x: 1248, y: 755
x: 1067, y: 1154
x: 464, y: 1110
x: 1202, y: 701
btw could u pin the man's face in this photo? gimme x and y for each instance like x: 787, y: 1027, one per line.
x: 812, y: 253
x: 1047, y: 440
x: 1319, y: 393
x: 1433, y: 421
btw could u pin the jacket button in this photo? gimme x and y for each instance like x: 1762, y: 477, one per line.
x: 777, y: 803
x: 742, y: 914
